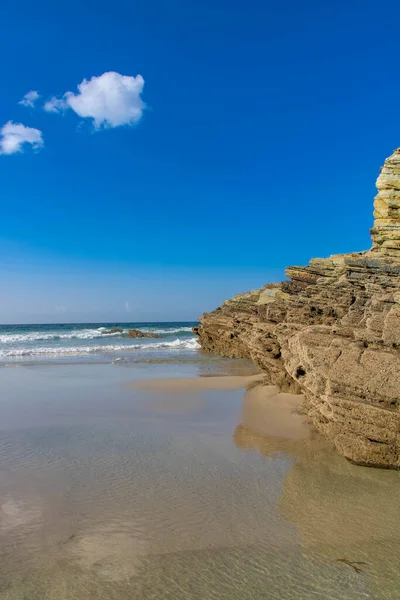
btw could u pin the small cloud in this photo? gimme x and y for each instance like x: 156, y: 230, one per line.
x: 55, y: 105
x: 127, y: 307
x: 29, y: 99
x: 13, y: 137
x: 111, y: 100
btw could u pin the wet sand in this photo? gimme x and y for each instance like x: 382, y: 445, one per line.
x: 198, y: 384
x: 265, y: 411
x: 108, y: 493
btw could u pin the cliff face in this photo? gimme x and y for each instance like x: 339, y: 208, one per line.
x: 332, y: 332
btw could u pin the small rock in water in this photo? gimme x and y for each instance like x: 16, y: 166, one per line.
x: 136, y: 333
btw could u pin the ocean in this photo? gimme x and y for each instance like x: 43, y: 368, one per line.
x: 86, y: 342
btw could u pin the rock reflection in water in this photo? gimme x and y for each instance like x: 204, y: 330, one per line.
x: 342, y: 511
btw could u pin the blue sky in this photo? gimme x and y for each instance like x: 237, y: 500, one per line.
x: 261, y: 137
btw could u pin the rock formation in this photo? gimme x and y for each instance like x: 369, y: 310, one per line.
x: 386, y: 231
x: 110, y: 331
x: 136, y: 333
x: 332, y: 333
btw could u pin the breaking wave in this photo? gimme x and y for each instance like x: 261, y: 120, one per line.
x: 178, y: 344
x: 83, y: 334
x: 166, y: 331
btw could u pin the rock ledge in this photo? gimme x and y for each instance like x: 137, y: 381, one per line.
x: 332, y: 332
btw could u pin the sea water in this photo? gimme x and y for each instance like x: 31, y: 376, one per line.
x: 88, y: 342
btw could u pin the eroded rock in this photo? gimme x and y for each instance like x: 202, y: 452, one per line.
x: 332, y: 333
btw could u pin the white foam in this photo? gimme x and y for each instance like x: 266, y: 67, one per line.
x: 171, y: 330
x: 38, y: 336
x: 178, y: 344
x: 83, y: 334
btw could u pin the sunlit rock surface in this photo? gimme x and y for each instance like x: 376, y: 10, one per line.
x: 332, y: 333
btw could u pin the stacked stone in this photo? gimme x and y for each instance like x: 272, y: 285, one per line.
x: 386, y: 230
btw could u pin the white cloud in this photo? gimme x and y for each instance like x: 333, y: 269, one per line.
x: 13, y: 136
x: 30, y: 98
x: 110, y: 100
x: 127, y: 307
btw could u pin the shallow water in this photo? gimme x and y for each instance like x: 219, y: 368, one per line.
x: 110, y: 492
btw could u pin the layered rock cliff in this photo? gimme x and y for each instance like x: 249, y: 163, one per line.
x: 332, y: 332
